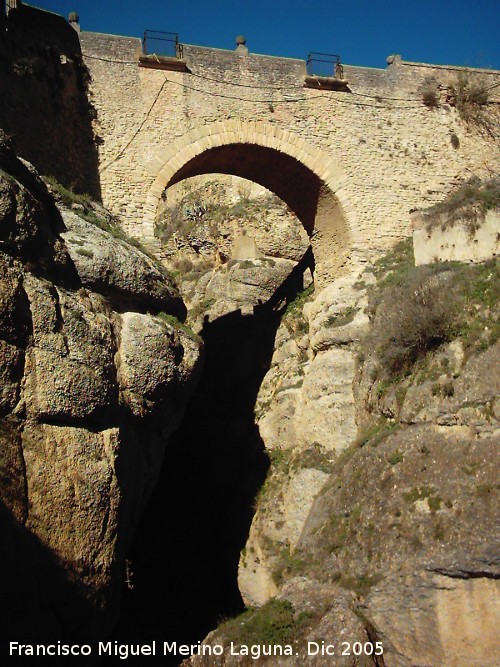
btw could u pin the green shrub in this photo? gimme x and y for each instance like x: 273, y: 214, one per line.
x: 469, y: 94
x: 428, y: 493
x: 360, y: 584
x: 430, y: 97
x: 287, y: 565
x: 183, y: 265
x: 313, y: 457
x: 392, y: 268
x: 373, y: 434
x: 178, y: 326
x: 395, y: 458
x: 294, y: 308
x: 274, y: 623
x: 414, y: 310
x: 469, y: 202
x: 413, y: 318
x: 85, y: 252
x: 201, y: 308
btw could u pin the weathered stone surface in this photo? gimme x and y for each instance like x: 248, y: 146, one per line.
x: 306, y: 409
x: 311, y: 404
x: 444, y: 397
x: 325, y: 414
x: 439, y: 513
x: 30, y: 221
x: 432, y: 619
x: 337, y: 314
x: 24, y: 222
x: 70, y: 366
x: 78, y: 460
x: 11, y: 372
x: 244, y: 247
x: 114, y: 267
x: 242, y: 285
x: 255, y: 571
x: 74, y: 496
x: 154, y: 360
x: 275, y: 532
x: 14, y: 329
x: 458, y: 242
x: 15, y: 317
x: 305, y: 484
x: 12, y: 473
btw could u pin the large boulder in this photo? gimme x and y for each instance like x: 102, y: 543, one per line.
x: 111, y: 265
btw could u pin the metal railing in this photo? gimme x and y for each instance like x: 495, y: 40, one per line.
x: 9, y: 5
x: 162, y: 44
x: 324, y: 64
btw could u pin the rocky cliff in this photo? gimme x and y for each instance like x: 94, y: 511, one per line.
x: 377, y: 525
x: 95, y: 372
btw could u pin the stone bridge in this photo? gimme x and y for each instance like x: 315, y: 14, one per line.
x: 350, y: 162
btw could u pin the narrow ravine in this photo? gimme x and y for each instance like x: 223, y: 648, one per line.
x: 184, y: 560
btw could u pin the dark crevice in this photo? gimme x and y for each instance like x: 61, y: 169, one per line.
x: 465, y: 574
x: 185, y: 554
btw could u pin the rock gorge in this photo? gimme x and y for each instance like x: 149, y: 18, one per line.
x: 201, y: 442
x: 315, y: 479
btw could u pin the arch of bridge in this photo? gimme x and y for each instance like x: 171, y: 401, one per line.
x: 303, y: 176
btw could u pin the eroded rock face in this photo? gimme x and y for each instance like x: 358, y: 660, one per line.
x: 386, y: 506
x: 326, y: 612
x: 444, y: 620
x: 71, y: 356
x: 154, y: 389
x: 241, y: 285
x: 91, y: 385
x: 112, y: 266
x: 306, y: 417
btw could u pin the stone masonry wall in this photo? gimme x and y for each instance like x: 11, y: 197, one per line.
x: 395, y: 153
x: 43, y: 100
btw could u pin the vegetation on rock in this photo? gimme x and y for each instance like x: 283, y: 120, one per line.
x: 86, y: 379
x: 93, y: 213
x: 469, y: 203
x: 469, y: 94
x: 414, y: 310
x: 407, y: 489
x: 274, y: 623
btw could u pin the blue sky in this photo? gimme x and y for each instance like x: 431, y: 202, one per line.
x: 363, y: 32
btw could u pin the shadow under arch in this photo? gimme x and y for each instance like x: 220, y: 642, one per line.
x: 305, y: 178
